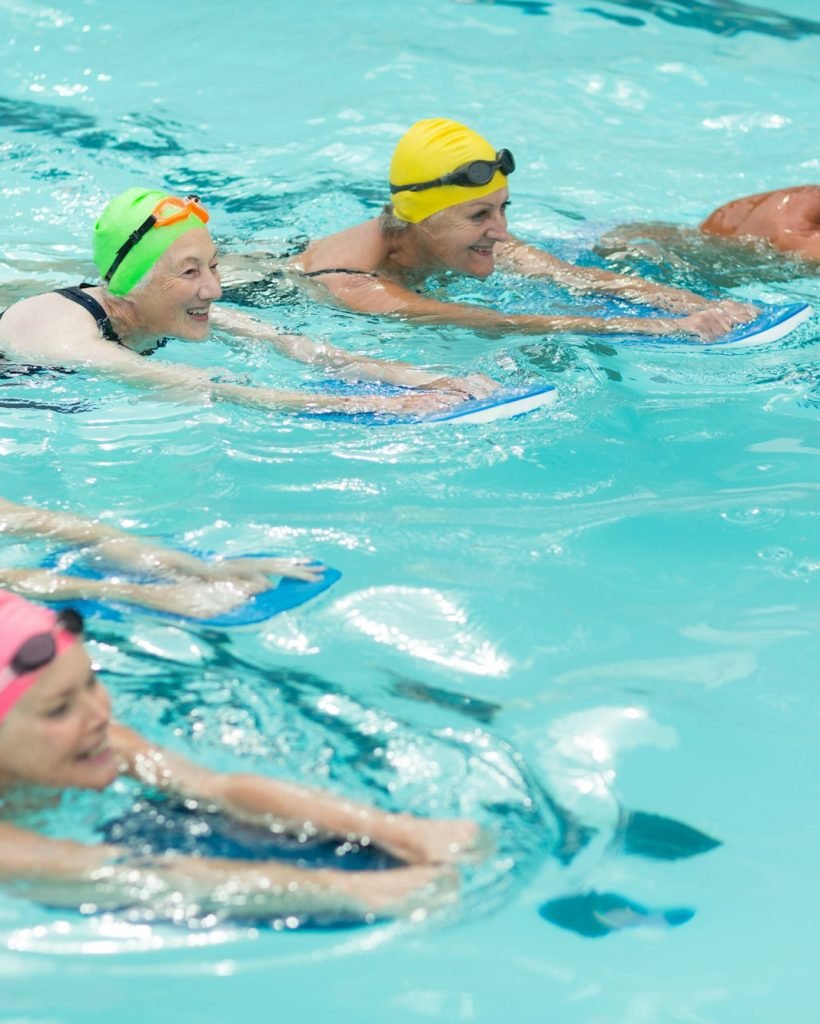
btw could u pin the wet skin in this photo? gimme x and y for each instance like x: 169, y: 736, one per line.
x: 56, y: 735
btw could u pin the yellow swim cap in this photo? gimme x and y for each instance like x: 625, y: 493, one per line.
x: 430, y: 149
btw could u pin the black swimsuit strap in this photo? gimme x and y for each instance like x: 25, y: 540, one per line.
x: 91, y: 305
x: 338, y: 270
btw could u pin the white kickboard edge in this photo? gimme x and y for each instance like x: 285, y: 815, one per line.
x: 503, y: 409
x: 773, y: 324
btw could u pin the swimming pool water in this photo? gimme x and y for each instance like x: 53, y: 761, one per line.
x: 615, y: 599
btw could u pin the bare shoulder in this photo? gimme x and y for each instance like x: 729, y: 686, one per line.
x: 27, y: 329
x: 362, y: 247
x: 766, y: 214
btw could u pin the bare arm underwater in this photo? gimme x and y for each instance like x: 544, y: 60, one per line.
x: 69, y: 874
x: 27, y: 335
x: 389, y: 298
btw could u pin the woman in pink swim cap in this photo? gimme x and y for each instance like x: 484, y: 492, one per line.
x: 56, y: 732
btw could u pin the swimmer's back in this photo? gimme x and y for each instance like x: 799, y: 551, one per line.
x: 789, y: 219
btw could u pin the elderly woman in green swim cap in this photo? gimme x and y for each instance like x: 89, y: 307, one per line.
x: 158, y: 265
x: 448, y: 212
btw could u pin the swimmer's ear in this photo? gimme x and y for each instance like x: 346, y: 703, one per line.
x: 660, y: 838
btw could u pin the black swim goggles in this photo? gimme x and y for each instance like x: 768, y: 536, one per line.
x: 39, y: 650
x: 168, y: 210
x: 471, y: 175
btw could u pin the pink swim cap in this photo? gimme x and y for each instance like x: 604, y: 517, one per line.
x: 20, y: 622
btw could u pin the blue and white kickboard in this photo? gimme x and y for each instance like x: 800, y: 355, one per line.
x: 773, y: 324
x: 505, y: 404
x: 280, y: 597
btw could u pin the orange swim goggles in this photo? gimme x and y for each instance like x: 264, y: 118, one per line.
x: 180, y: 209
x: 188, y: 207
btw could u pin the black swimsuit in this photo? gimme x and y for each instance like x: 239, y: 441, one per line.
x: 78, y: 295
x: 337, y: 270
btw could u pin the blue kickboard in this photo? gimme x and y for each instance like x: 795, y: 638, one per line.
x: 281, y: 597
x: 505, y: 404
x: 773, y: 324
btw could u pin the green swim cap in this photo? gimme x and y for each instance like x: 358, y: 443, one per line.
x: 135, y: 229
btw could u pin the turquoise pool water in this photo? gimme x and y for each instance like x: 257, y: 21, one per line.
x: 614, y: 599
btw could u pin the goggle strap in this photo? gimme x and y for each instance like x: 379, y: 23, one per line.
x: 126, y: 247
x: 455, y: 177
x: 140, y: 232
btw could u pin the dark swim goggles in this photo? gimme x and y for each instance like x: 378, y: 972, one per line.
x: 179, y: 210
x: 39, y: 650
x: 471, y: 175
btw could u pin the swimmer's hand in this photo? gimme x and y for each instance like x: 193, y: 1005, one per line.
x: 433, y: 841
x: 474, y: 385
x: 707, y: 325
x: 398, y: 892
x: 421, y: 403
x: 740, y: 312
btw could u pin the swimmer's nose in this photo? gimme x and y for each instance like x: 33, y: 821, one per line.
x: 497, y: 227
x: 98, y: 708
x: 211, y: 287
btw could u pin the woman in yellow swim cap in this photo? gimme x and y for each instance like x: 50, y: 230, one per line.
x: 448, y: 212
x: 159, y: 278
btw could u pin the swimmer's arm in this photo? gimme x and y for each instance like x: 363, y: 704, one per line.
x: 108, y: 543
x: 62, y: 873
x: 47, y: 585
x: 349, y: 365
x: 114, y: 547
x: 390, y: 299
x: 530, y: 261
x: 175, y: 382
x: 286, y: 806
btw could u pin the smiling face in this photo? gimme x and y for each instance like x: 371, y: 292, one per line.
x: 56, y: 735
x: 462, y: 237
x: 177, y: 298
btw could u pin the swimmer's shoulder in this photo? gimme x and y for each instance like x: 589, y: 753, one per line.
x: 764, y: 213
x: 46, y: 323
x: 361, y: 247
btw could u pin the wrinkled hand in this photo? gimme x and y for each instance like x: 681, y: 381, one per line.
x: 474, y: 385
x: 707, y: 325
x: 421, y: 404
x: 740, y: 312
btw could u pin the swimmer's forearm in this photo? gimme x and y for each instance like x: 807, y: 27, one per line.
x: 496, y: 323
x: 533, y: 262
x: 181, y: 887
x: 297, y: 808
x: 62, y: 526
x: 47, y: 585
x: 357, y: 366
x: 639, y: 290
